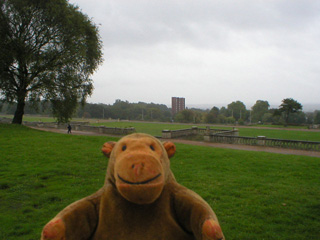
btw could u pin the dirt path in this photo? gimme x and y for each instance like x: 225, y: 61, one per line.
x: 207, y: 144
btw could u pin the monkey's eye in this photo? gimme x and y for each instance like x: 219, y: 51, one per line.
x: 124, y: 147
x: 152, y: 147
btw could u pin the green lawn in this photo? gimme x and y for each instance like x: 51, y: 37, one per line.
x: 155, y: 129
x: 281, y: 134
x: 277, y: 126
x: 256, y: 195
x: 32, y: 118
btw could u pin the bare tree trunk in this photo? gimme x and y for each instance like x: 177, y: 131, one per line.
x: 18, y: 115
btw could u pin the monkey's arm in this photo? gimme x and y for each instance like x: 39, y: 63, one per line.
x: 77, y: 221
x: 196, y: 216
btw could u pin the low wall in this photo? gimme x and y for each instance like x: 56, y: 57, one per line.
x: 266, y: 142
x: 5, y: 120
x: 82, y: 127
x: 179, y: 133
x: 196, y: 131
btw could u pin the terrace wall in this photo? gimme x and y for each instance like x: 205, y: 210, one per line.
x: 232, y: 137
x: 197, y: 131
x: 82, y: 126
x: 209, y: 135
x: 263, y: 141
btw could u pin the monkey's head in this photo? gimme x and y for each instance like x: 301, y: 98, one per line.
x: 139, y: 166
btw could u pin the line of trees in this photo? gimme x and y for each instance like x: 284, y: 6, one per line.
x: 127, y: 111
x: 119, y: 110
x: 289, y: 112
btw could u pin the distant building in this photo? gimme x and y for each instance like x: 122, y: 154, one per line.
x: 177, y: 105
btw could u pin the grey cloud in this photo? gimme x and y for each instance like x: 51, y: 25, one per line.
x: 202, y: 22
x: 247, y: 48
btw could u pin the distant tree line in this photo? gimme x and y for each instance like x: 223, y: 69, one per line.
x: 126, y: 111
x: 289, y: 112
x: 119, y: 110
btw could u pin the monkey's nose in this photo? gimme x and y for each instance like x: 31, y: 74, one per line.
x: 137, y: 168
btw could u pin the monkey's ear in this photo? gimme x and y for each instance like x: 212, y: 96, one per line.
x: 170, y: 148
x: 107, y: 148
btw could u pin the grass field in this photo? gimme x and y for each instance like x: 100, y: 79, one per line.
x: 281, y: 134
x: 278, y: 126
x: 32, y: 118
x: 256, y: 195
x: 155, y: 129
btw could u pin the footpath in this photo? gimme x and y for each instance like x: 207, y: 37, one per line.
x: 207, y: 144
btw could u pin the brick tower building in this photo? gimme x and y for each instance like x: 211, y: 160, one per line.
x: 177, y: 105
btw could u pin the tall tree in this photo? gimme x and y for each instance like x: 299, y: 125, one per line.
x: 185, y: 116
x: 289, y: 106
x: 212, y: 116
x: 48, y: 50
x: 317, y: 117
x: 259, y: 109
x: 238, y: 110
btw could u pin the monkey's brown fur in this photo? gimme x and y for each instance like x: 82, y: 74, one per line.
x: 140, y: 200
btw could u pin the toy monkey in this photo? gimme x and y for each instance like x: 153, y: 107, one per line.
x: 140, y: 200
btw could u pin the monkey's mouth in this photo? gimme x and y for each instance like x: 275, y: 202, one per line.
x: 139, y: 183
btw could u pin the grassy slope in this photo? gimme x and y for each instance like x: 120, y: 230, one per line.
x: 255, y: 195
x: 281, y: 134
x: 156, y: 129
x: 40, y: 174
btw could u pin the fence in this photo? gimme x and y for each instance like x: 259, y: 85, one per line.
x: 209, y: 135
x: 232, y: 137
x: 263, y: 141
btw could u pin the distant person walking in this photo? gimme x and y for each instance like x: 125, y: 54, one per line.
x: 69, y: 128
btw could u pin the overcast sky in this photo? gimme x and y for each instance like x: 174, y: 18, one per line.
x: 207, y: 51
